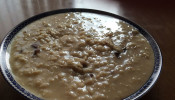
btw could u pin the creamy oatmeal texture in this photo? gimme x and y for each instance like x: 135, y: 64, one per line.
x: 81, y: 56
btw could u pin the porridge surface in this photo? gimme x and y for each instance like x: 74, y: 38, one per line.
x: 81, y: 56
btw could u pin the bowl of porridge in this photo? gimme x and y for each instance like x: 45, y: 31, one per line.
x: 80, y: 54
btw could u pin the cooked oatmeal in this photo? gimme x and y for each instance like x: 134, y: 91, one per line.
x: 80, y: 56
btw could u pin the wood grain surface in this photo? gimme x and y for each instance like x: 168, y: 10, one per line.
x: 156, y: 16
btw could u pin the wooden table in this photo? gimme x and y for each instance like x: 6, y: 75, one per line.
x: 157, y: 17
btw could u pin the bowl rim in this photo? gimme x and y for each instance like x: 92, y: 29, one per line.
x: 136, y: 95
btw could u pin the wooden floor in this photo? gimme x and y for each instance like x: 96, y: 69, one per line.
x: 156, y: 16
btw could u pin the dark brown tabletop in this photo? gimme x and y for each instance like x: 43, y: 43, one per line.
x: 156, y: 16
